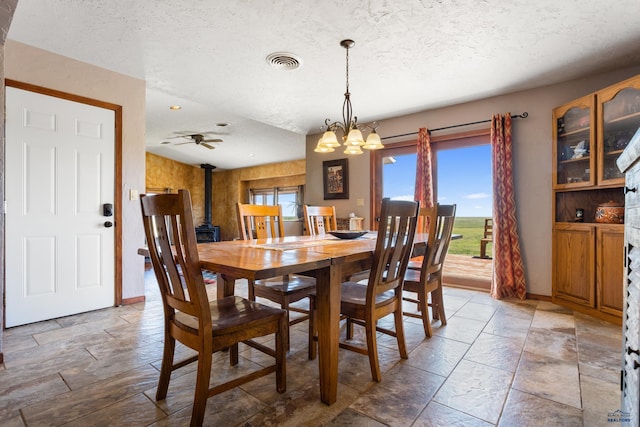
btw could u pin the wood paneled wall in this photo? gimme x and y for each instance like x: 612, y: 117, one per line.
x: 229, y: 186
x: 166, y: 174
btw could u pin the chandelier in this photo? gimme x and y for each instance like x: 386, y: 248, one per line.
x: 351, y: 131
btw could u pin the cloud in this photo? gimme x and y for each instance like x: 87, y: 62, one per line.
x: 477, y: 196
x: 405, y: 197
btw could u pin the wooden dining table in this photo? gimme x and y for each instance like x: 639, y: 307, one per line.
x: 328, y: 258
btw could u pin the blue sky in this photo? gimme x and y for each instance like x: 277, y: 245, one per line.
x: 464, y: 178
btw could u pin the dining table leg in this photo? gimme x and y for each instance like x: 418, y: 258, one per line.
x: 328, y: 281
x: 226, y: 286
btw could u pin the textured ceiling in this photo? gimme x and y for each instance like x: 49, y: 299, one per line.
x: 209, y: 57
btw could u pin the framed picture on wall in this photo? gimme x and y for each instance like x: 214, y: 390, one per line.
x: 335, y: 177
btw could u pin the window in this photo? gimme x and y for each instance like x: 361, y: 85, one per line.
x: 459, y: 161
x: 461, y: 174
x: 464, y: 177
x: 290, y: 198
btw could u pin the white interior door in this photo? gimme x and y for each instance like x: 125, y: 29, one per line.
x: 59, y: 172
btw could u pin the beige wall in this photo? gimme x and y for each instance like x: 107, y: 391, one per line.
x: 531, y: 154
x: 35, y: 66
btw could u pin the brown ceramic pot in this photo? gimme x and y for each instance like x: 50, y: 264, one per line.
x: 610, y: 213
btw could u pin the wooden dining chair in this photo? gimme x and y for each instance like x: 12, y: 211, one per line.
x: 189, y: 317
x: 427, y: 281
x: 365, y: 304
x: 426, y: 218
x: 487, y: 237
x: 265, y: 221
x: 259, y: 221
x: 319, y: 220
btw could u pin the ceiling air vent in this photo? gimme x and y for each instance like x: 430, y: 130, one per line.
x: 284, y: 61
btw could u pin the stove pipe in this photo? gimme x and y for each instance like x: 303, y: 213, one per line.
x: 207, y: 193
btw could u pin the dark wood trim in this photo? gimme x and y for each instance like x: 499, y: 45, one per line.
x: 1, y: 358
x: 539, y: 297
x: 117, y: 109
x: 133, y: 300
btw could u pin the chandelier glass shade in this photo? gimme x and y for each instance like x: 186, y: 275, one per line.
x: 351, y: 131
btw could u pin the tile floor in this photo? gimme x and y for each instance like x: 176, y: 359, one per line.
x: 505, y: 363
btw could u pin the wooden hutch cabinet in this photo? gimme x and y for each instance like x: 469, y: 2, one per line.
x: 589, y: 135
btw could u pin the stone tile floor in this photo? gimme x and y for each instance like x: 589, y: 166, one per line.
x: 505, y: 363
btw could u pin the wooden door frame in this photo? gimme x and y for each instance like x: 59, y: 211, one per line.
x: 117, y: 110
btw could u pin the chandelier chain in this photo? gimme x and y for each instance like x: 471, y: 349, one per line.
x: 347, y: 69
x: 346, y: 107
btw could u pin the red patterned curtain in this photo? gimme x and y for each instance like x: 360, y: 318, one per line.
x: 508, y: 268
x: 424, y: 181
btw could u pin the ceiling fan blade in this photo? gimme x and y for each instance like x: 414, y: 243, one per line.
x: 210, y: 147
x: 186, y: 142
x: 188, y: 133
x: 212, y: 140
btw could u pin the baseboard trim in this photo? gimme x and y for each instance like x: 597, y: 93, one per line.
x: 134, y: 300
x: 539, y: 297
x: 467, y: 282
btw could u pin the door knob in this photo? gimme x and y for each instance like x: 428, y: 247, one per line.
x: 108, y: 224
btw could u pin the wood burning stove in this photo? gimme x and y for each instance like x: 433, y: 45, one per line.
x: 206, y: 232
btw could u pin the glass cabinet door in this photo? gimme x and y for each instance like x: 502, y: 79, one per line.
x: 619, y: 111
x: 573, y: 135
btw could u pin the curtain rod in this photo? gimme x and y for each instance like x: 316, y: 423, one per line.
x: 522, y: 116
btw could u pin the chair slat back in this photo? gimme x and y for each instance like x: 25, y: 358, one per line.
x: 488, y: 228
x: 394, y: 244
x: 426, y: 219
x: 260, y: 221
x: 319, y: 220
x: 171, y: 239
x: 439, y: 239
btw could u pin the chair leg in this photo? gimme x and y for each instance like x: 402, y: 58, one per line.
x: 483, y: 248
x: 435, y: 313
x: 423, y: 307
x: 165, y: 369
x: 281, y: 357
x: 402, y: 345
x: 233, y: 355
x: 349, y: 327
x: 440, y: 298
x: 202, y: 388
x: 285, y: 306
x: 312, y: 328
x: 252, y: 293
x: 372, y: 350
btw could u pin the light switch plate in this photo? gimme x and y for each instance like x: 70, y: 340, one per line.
x: 134, y: 195
x: 359, y: 202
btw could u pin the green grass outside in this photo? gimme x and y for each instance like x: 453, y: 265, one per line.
x: 472, y: 230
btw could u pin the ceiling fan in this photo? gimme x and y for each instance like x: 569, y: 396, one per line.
x: 197, y: 138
